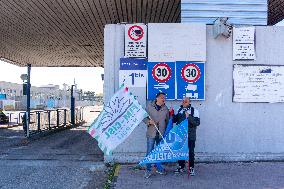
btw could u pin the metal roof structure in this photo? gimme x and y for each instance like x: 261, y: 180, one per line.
x: 238, y: 12
x: 70, y: 32
x: 275, y: 11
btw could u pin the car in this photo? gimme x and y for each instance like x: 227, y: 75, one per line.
x: 161, y: 86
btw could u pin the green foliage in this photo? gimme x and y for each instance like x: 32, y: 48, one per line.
x: 110, y: 176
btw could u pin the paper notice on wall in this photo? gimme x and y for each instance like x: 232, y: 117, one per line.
x: 258, y: 83
x: 244, y: 43
x: 170, y: 42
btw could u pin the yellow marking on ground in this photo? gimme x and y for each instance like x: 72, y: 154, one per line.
x: 116, y: 170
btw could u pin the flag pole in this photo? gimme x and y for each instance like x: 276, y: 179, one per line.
x: 161, y: 135
x: 188, y: 170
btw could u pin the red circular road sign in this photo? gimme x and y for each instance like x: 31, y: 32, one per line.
x: 161, y: 72
x: 190, y: 73
x: 135, y: 33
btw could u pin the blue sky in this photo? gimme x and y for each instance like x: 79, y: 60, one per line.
x: 87, y: 78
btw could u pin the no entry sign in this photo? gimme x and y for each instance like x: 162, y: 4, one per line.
x: 161, y: 78
x: 190, y: 80
x: 135, y: 33
x: 135, y: 40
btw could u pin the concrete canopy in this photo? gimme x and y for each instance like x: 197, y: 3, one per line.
x: 70, y: 32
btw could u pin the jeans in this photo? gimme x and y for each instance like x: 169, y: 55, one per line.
x: 191, y: 146
x: 150, y: 146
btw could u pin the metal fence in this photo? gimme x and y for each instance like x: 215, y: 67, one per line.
x: 47, y: 120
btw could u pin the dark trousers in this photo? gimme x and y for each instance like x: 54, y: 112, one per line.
x: 191, y: 146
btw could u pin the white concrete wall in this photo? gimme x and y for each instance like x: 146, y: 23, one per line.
x: 229, y: 131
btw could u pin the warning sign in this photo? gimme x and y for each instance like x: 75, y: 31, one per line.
x: 135, y: 40
x: 161, y: 72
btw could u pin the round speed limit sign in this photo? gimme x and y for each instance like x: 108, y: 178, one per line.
x: 190, y: 73
x: 161, y: 72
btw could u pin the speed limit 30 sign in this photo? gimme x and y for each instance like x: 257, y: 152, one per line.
x: 190, y: 73
x: 190, y: 80
x: 161, y: 78
x: 161, y: 72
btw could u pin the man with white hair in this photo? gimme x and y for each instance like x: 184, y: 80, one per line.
x: 186, y: 111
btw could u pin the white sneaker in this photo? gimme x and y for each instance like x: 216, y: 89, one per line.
x: 191, y: 171
x: 147, y: 174
x: 163, y: 172
x: 179, y: 170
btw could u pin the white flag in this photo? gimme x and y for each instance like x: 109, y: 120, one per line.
x: 117, y: 120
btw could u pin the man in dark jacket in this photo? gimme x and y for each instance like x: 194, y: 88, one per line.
x: 186, y: 111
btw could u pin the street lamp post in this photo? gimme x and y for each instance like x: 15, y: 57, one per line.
x: 27, y: 81
x: 72, y: 108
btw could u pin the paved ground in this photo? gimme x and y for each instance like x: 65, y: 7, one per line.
x: 265, y: 175
x: 66, y: 159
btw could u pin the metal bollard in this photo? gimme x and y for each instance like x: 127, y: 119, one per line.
x: 48, y: 114
x: 57, y: 118
x: 38, y: 122
x: 65, y: 113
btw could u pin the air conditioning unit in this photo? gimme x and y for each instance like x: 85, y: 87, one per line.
x: 221, y: 28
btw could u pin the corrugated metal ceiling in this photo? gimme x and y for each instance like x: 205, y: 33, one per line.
x: 70, y: 32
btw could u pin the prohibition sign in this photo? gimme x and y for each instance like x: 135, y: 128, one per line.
x: 135, y: 33
x: 190, y: 73
x: 161, y: 72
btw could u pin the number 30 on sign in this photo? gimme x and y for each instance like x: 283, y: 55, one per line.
x: 161, y: 78
x: 190, y: 73
x: 161, y: 72
x: 190, y: 80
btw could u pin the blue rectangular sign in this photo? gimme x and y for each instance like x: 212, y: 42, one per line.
x: 133, y: 72
x: 133, y: 64
x: 190, y: 80
x: 161, y: 78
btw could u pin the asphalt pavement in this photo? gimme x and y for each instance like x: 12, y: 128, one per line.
x: 65, y: 159
x: 254, y: 175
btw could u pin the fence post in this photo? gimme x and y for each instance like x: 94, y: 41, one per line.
x: 65, y: 117
x: 72, y: 107
x: 57, y: 116
x: 28, y: 99
x: 10, y: 118
x: 48, y: 114
x: 38, y: 122
x: 19, y: 118
x: 83, y: 113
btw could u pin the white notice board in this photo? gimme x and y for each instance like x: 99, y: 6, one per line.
x: 135, y: 40
x: 258, y: 83
x: 170, y: 42
x: 244, y: 43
